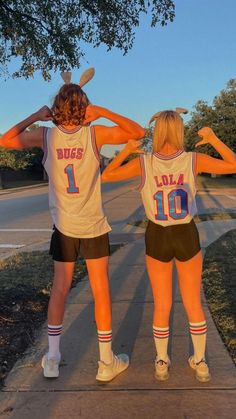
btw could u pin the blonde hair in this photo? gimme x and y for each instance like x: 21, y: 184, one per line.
x: 69, y: 105
x: 169, y: 128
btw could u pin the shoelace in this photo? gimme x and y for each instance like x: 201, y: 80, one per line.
x: 161, y: 362
x: 202, y: 360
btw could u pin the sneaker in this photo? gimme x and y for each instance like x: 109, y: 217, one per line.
x: 201, y: 369
x: 106, y: 372
x: 50, y: 366
x: 162, y: 369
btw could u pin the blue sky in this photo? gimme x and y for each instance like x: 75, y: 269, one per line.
x: 189, y: 59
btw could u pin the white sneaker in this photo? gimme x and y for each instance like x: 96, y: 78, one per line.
x: 106, y: 372
x: 201, y: 369
x: 162, y: 369
x: 50, y: 366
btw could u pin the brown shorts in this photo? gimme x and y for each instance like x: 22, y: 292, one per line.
x: 177, y: 241
x: 66, y: 249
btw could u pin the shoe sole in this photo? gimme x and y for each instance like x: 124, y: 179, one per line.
x: 203, y: 379
x: 162, y: 377
x: 200, y: 378
x: 108, y: 380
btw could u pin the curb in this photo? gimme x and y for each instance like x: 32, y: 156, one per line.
x: 21, y: 188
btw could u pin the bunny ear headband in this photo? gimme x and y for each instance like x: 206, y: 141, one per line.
x: 178, y: 110
x: 85, y: 78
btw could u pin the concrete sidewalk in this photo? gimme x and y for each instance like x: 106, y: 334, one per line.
x: 135, y: 393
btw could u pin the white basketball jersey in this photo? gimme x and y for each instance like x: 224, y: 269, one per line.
x: 168, y: 187
x: 72, y: 163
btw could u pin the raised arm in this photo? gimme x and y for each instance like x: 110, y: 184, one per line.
x: 208, y: 164
x: 124, y: 130
x: 115, y: 172
x: 17, y: 137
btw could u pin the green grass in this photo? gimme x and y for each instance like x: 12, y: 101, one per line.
x: 219, y: 281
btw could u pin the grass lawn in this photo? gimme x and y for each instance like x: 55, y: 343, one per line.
x: 25, y: 283
x: 219, y: 282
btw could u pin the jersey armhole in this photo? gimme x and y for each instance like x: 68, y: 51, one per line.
x: 143, y: 173
x: 45, y: 145
x: 94, y: 144
x: 194, y: 164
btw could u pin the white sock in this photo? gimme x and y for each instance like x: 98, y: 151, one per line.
x: 161, y: 338
x: 105, y: 341
x: 54, y: 334
x: 198, y: 334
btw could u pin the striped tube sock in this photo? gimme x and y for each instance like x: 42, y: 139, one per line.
x: 54, y: 334
x: 105, y: 341
x: 198, y: 334
x: 161, y: 338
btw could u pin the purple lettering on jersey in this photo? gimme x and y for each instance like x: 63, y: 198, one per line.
x: 169, y: 180
x: 172, y: 181
x: 181, y: 179
x: 79, y: 154
x: 73, y: 153
x: 157, y: 181
x: 165, y: 180
x: 69, y: 153
x: 59, y: 153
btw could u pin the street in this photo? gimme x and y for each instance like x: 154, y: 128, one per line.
x: 25, y: 219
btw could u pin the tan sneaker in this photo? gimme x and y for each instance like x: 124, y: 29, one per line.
x: 201, y: 369
x: 106, y: 372
x: 162, y: 369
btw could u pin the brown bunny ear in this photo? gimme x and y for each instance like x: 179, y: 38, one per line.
x: 86, y: 76
x: 66, y: 76
x: 155, y: 116
x: 181, y: 110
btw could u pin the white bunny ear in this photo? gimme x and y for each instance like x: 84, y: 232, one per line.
x: 66, y: 76
x: 86, y: 76
x: 181, y: 110
x: 155, y: 116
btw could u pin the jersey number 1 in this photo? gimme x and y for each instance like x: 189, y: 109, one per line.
x: 72, y: 188
x: 172, y: 210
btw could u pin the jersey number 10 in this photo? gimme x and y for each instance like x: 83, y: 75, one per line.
x: 164, y: 213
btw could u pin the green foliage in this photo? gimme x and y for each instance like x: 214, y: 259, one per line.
x: 13, y: 159
x: 21, y: 159
x: 49, y: 35
x: 221, y: 117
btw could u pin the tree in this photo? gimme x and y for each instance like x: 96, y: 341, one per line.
x: 48, y: 35
x: 220, y: 117
x: 20, y: 159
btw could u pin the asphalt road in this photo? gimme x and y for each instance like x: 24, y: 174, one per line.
x: 25, y: 218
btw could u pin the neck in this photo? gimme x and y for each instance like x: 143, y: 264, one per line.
x: 168, y: 149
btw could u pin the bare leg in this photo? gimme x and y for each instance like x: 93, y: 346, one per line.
x: 99, y: 281
x: 190, y: 279
x: 63, y: 273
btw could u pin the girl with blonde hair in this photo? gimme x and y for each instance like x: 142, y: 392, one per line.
x: 168, y: 190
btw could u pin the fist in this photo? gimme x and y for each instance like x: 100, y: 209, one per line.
x: 44, y: 114
x: 207, y: 135
x: 91, y: 114
x: 133, y: 146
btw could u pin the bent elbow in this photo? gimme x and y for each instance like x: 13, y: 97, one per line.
x: 142, y: 132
